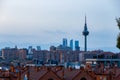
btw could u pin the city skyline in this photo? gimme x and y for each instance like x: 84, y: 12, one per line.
x: 45, y: 23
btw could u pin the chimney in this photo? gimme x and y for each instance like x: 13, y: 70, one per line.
x: 70, y: 68
x: 0, y: 70
x: 88, y: 67
x: 37, y: 69
x: 19, y: 75
x: 111, y: 75
x: 28, y: 72
x: 115, y: 68
x: 102, y: 67
x: 12, y: 68
x: 63, y: 75
x: 48, y: 68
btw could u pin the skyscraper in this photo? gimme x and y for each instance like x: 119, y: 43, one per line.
x: 38, y: 48
x: 65, y: 42
x: 30, y: 52
x: 85, y: 34
x: 71, y: 44
x: 77, y: 45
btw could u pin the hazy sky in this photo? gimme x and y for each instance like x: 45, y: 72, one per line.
x: 46, y: 22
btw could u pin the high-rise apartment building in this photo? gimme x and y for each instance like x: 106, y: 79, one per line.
x: 30, y: 53
x: 71, y: 44
x: 77, y: 45
x: 65, y: 42
x: 38, y: 48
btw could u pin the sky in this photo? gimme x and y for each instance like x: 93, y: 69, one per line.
x: 46, y: 22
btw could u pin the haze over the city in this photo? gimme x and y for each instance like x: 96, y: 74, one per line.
x: 47, y: 22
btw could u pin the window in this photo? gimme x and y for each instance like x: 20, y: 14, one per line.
x: 50, y: 79
x: 83, y: 78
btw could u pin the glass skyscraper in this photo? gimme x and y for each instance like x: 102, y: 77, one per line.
x: 65, y: 42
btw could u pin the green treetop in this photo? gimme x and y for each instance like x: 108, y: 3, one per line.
x: 118, y: 39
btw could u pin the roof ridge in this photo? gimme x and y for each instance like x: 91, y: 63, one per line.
x: 48, y: 72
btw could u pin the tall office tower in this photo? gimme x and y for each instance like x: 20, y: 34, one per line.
x: 85, y: 34
x: 71, y: 44
x: 77, y: 45
x: 29, y: 49
x: 38, y: 48
x: 30, y: 52
x: 65, y: 42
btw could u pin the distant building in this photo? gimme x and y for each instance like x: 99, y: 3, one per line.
x: 65, y: 48
x: 65, y: 42
x: 77, y: 45
x: 71, y: 44
x: 38, y: 48
x: 52, y: 48
x: 14, y: 54
x: 41, y: 56
x: 30, y: 53
x: 0, y: 53
x: 22, y: 54
x: 109, y: 59
x: 10, y: 54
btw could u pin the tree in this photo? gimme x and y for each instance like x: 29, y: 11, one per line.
x: 118, y: 21
x: 118, y: 39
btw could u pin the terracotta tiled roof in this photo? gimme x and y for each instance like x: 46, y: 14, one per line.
x: 50, y: 72
x: 59, y: 73
x: 86, y: 74
x: 69, y: 74
x: 35, y: 75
